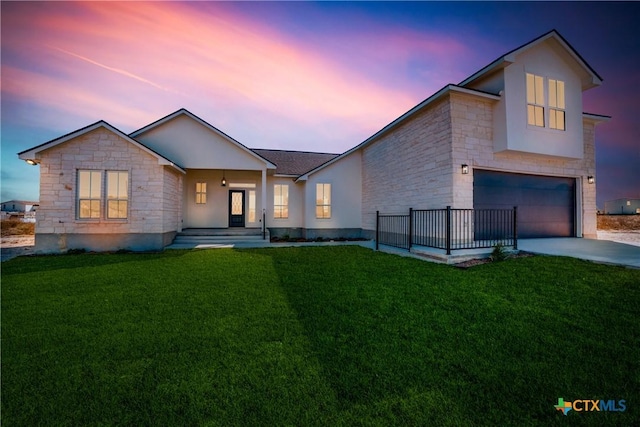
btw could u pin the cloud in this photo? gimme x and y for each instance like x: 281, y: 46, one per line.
x: 111, y: 61
x: 115, y: 70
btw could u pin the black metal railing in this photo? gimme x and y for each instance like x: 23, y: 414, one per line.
x: 448, y: 229
x: 264, y: 224
x: 393, y: 230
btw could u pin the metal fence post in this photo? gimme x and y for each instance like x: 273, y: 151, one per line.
x: 377, y: 229
x: 264, y: 224
x: 448, y: 219
x: 410, y: 228
x: 515, y: 227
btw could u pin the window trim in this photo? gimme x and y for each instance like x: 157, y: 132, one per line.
x: 118, y: 199
x: 552, y: 107
x: 201, y: 194
x: 326, y: 201
x: 533, y: 104
x: 90, y: 199
x: 284, y: 207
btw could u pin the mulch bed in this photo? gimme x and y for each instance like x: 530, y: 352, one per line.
x: 480, y: 261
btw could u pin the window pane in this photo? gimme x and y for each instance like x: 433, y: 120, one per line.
x: 117, y: 209
x: 95, y: 185
x: 84, y: 184
x: 236, y: 203
x: 112, y: 185
x: 95, y: 208
x: 117, y: 185
x: 553, y: 97
x: 285, y: 195
x: 327, y: 194
x: 85, y: 209
x: 539, y: 90
x: 531, y: 97
x: 319, y: 194
x: 539, y: 116
x: 319, y: 212
x: 560, y: 94
x: 123, y: 185
x: 556, y: 119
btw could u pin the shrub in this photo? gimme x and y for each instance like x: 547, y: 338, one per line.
x: 17, y: 228
x: 499, y: 253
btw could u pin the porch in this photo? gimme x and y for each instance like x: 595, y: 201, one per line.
x: 220, y: 199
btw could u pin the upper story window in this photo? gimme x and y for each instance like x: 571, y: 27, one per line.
x: 201, y: 193
x: 323, y: 200
x: 281, y: 201
x: 554, y: 104
x: 535, y: 100
x: 89, y: 194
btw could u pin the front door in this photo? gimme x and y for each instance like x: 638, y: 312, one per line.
x: 236, y: 208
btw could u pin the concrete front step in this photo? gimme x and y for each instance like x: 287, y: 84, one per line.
x: 218, y: 237
x: 215, y: 239
x: 226, y: 232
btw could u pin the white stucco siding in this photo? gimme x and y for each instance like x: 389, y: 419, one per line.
x: 215, y: 212
x: 194, y: 146
x: 296, y: 203
x: 542, y: 60
x: 345, y: 177
x: 409, y: 167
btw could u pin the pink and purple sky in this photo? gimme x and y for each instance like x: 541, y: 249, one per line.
x: 290, y: 75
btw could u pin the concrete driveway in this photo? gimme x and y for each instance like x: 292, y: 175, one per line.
x: 590, y: 249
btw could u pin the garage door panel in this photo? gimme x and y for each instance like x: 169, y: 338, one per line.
x: 546, y: 205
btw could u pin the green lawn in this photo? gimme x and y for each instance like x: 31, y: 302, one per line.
x: 314, y: 336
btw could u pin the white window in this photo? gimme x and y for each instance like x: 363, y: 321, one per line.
x: 323, y: 200
x: 556, y: 104
x: 117, y: 194
x: 535, y: 100
x: 281, y: 201
x: 89, y: 194
x: 201, y: 193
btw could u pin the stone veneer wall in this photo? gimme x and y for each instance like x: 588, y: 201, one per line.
x: 151, y: 185
x: 472, y: 144
x: 409, y: 167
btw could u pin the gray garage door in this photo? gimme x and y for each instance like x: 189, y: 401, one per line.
x: 546, y: 204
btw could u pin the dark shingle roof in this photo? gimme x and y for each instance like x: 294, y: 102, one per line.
x: 294, y: 162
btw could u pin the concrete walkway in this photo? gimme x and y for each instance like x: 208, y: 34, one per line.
x: 589, y: 249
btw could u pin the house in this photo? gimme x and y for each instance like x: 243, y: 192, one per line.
x: 513, y: 133
x: 22, y: 210
x: 627, y: 206
x: 18, y: 206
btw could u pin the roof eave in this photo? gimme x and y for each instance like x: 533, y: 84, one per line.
x: 32, y: 154
x: 596, y: 118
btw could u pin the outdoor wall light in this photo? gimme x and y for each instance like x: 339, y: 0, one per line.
x: 591, y: 179
x: 223, y: 183
x: 31, y: 162
x: 465, y: 169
